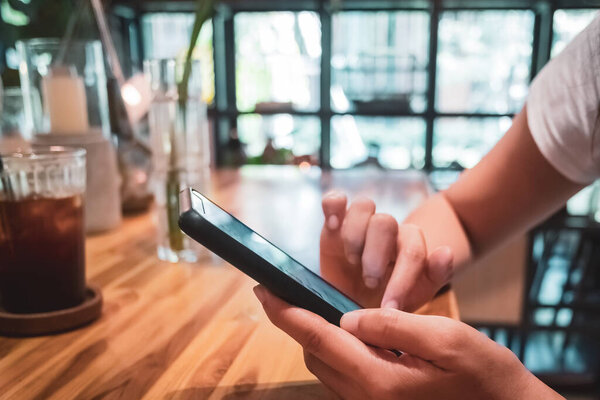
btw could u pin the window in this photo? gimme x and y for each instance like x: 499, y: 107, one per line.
x: 484, y: 60
x: 277, y: 61
x: 379, y: 59
x: 567, y: 24
x: 388, y: 142
x: 279, y: 138
x: 379, y: 111
x: 462, y: 142
x: 167, y: 35
x: 483, y: 64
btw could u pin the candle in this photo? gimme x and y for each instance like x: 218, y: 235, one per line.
x: 64, y: 99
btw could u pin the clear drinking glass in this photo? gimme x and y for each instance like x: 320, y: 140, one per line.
x: 64, y: 92
x: 42, y: 263
x: 180, y: 146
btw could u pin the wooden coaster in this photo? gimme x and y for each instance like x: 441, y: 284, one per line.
x: 53, y: 321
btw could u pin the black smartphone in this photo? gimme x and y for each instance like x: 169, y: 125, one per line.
x: 236, y: 243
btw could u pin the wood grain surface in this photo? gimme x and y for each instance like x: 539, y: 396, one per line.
x: 196, y: 331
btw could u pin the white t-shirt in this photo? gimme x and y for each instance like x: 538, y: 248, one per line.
x: 563, y: 108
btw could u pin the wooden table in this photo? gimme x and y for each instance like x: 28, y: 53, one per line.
x: 182, y: 331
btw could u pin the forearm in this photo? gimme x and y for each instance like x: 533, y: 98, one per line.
x: 509, y: 191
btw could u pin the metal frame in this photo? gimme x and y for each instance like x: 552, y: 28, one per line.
x: 580, y: 303
x: 325, y: 95
x: 224, y: 111
x: 430, y: 114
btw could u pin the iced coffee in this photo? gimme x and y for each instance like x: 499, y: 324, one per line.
x: 42, y: 247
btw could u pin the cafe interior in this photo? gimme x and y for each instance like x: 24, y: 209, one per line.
x: 110, y: 108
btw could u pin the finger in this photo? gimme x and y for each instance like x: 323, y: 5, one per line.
x: 380, y: 248
x: 436, y: 272
x: 332, y: 345
x: 343, y: 386
x: 440, y: 266
x: 430, y: 338
x: 334, y: 209
x: 412, y: 256
x: 354, y: 228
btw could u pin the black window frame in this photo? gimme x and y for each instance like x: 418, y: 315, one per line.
x: 224, y: 110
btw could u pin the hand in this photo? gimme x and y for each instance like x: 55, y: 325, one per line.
x: 375, y: 261
x: 442, y: 358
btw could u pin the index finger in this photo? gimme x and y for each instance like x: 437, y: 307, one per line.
x: 334, y: 346
x: 409, y: 265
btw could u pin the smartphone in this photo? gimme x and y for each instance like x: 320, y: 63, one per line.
x: 236, y: 243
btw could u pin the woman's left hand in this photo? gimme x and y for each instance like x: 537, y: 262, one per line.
x: 441, y: 358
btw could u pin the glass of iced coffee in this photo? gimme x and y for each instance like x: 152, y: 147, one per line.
x: 42, y: 247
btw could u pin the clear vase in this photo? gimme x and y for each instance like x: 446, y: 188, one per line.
x: 180, y: 146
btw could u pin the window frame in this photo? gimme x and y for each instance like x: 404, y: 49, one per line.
x: 224, y: 112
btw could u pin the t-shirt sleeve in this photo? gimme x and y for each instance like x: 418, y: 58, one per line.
x: 563, y: 108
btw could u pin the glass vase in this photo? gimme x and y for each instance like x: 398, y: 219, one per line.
x: 180, y: 147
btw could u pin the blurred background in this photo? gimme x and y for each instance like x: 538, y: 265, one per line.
x: 424, y: 84
x: 397, y: 84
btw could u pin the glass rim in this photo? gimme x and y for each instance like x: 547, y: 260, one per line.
x: 38, y: 41
x: 169, y: 60
x: 41, y: 153
x: 54, y: 41
x: 12, y: 90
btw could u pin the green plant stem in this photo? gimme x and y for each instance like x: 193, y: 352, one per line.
x: 175, y: 234
x: 204, y: 11
x: 173, y: 181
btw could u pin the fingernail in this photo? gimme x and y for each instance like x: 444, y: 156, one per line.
x: 391, y: 304
x: 371, y: 282
x: 259, y: 292
x: 349, y: 322
x: 443, y: 269
x: 446, y: 255
x: 353, y: 259
x: 334, y: 193
x: 333, y: 222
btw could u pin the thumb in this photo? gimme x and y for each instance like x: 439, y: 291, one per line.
x: 413, y: 284
x: 418, y: 335
x: 334, y: 209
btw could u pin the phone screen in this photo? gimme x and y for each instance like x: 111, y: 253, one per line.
x: 271, y: 253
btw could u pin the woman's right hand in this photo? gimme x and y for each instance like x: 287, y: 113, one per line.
x: 375, y: 260
x: 441, y: 358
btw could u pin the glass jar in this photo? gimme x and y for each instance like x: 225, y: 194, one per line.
x: 180, y: 147
x: 42, y: 241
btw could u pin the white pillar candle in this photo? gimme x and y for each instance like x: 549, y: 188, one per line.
x: 64, y: 99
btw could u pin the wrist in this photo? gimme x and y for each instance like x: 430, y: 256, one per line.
x: 442, y: 227
x: 528, y: 386
x: 536, y: 389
